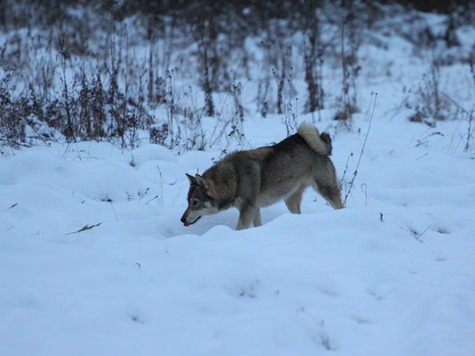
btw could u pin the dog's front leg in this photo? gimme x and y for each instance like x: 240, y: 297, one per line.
x: 257, y: 218
x: 247, y: 214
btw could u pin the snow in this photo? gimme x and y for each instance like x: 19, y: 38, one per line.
x: 94, y: 259
x: 393, y: 273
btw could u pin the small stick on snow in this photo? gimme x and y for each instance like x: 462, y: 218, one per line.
x: 85, y: 228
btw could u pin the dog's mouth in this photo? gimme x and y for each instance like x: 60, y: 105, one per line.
x: 191, y: 223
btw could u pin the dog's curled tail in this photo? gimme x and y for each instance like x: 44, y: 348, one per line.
x: 320, y: 143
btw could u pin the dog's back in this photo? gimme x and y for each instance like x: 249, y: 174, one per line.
x: 269, y: 174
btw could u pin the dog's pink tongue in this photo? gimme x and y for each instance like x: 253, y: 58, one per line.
x: 186, y: 224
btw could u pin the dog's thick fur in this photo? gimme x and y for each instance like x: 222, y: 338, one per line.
x: 249, y: 180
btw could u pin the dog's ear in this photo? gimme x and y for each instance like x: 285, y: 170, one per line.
x: 201, y: 181
x: 191, y: 178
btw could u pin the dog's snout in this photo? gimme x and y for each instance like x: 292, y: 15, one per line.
x: 183, y: 219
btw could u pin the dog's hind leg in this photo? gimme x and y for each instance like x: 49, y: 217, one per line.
x: 294, y: 200
x: 257, y: 218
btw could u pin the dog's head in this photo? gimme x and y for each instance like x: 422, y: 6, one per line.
x: 200, y: 203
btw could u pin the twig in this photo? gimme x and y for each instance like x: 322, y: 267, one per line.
x: 455, y: 103
x: 346, y: 169
x: 10, y: 207
x: 115, y: 214
x: 143, y: 195
x: 425, y: 154
x: 470, y: 130
x: 472, y: 69
x: 418, y: 236
x: 364, y: 189
x: 156, y: 197
x: 85, y: 228
x: 471, y: 118
x: 160, y: 196
x: 362, y: 149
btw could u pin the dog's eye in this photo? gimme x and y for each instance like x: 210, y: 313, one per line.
x: 194, y: 203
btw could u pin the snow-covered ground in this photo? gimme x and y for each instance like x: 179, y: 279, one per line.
x: 393, y: 273
x: 94, y: 259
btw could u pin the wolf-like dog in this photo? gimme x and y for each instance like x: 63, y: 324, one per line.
x: 249, y: 180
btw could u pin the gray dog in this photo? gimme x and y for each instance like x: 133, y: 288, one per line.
x: 249, y: 180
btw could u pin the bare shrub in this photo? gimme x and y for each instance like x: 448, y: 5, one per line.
x: 350, y: 41
x: 313, y: 58
x: 428, y: 102
x: 12, y: 124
